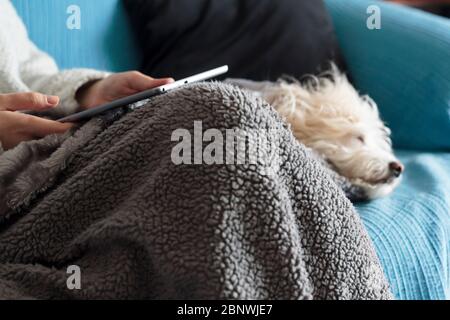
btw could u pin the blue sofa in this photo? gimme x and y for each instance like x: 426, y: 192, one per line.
x: 404, y: 66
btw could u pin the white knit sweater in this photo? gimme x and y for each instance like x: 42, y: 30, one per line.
x: 23, y: 67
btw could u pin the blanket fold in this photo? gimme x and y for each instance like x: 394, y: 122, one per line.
x: 110, y: 200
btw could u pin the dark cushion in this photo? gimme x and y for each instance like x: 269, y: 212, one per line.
x: 258, y: 39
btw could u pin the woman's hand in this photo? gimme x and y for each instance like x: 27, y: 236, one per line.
x: 16, y: 127
x: 116, y: 86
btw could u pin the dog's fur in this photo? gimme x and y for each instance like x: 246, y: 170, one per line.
x: 327, y: 114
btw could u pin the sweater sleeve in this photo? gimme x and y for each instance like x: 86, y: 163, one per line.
x: 40, y: 73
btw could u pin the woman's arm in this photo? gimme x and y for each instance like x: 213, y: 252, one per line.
x: 26, y: 68
x: 40, y: 73
x: 77, y: 89
x: 80, y: 88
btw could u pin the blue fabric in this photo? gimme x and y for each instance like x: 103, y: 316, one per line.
x: 411, y: 228
x: 405, y: 67
x: 104, y: 41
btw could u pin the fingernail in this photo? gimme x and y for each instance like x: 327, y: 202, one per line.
x: 52, y: 100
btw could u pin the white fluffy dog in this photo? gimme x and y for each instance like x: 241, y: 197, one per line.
x: 328, y: 115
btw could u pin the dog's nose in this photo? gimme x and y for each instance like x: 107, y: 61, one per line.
x: 396, y: 168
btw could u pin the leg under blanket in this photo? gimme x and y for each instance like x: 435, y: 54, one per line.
x: 109, y: 200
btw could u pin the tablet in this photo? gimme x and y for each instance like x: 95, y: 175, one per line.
x: 87, y: 114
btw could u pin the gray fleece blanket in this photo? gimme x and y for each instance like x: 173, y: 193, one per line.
x: 109, y: 200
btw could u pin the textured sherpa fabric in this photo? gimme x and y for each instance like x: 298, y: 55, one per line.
x: 110, y: 200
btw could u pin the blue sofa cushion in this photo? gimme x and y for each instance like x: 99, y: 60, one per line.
x: 404, y: 66
x: 411, y: 228
x: 104, y: 41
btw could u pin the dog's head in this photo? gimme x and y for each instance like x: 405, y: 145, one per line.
x: 328, y: 115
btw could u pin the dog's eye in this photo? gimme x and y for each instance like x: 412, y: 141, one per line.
x: 361, y: 139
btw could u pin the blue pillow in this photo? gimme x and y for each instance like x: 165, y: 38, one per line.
x: 404, y: 66
x: 104, y: 41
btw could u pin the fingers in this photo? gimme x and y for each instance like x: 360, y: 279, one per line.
x: 140, y: 82
x: 40, y: 127
x: 27, y: 101
x: 16, y: 127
